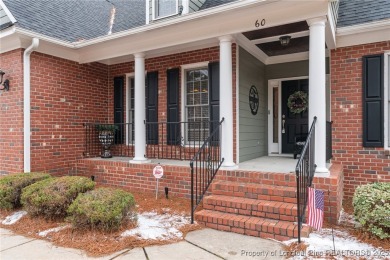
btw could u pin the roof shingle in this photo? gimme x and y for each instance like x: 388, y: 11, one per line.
x: 352, y: 12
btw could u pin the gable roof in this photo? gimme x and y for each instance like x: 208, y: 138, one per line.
x: 74, y: 20
x: 78, y: 20
x: 353, y: 12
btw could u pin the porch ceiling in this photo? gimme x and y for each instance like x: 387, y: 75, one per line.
x: 266, y: 44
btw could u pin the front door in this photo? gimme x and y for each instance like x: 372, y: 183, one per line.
x: 294, y: 123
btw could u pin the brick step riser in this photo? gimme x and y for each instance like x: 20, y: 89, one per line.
x: 261, y: 194
x: 253, y: 210
x: 268, y: 178
x: 251, y: 226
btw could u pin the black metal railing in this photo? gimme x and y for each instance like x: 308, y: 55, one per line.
x: 205, y: 165
x: 304, y: 175
x: 122, y: 145
x: 329, y: 141
x: 176, y: 140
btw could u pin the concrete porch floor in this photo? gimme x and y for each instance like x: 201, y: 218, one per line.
x: 282, y: 164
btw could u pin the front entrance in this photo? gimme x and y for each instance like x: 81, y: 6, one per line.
x: 294, y: 123
x: 286, y: 124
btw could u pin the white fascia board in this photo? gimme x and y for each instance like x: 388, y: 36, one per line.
x: 377, y: 31
x: 213, y: 26
x: 7, y: 32
x: 32, y: 34
x: 7, y: 12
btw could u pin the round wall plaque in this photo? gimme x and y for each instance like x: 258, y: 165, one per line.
x: 253, y: 100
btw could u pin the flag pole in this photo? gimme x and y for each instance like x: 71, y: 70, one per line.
x: 330, y: 217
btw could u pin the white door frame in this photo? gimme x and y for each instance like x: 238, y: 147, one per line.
x: 276, y: 148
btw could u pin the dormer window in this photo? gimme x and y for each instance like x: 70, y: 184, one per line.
x: 164, y: 8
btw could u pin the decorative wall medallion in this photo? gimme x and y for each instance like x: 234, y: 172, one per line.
x: 253, y: 100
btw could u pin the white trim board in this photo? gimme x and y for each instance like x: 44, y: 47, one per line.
x: 387, y: 100
x: 377, y: 31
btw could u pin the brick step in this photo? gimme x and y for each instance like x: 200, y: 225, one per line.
x: 251, y: 207
x: 252, y: 226
x: 254, y: 191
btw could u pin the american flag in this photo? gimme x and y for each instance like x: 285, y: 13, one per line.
x: 315, y: 206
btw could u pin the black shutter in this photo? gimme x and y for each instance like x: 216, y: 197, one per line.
x: 152, y: 107
x: 173, y: 127
x: 214, y: 98
x: 118, y: 109
x: 373, y: 111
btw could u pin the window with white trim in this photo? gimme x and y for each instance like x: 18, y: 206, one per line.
x: 197, y: 104
x: 164, y: 8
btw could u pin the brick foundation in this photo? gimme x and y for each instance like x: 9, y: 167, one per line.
x: 178, y: 179
x: 361, y: 164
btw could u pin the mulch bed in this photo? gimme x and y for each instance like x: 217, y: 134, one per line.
x: 98, y: 243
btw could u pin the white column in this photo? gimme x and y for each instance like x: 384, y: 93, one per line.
x: 226, y: 99
x: 139, y: 109
x: 317, y: 89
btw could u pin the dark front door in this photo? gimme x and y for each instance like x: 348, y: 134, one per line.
x: 294, y: 125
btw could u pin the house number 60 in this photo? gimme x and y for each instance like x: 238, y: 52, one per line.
x: 262, y: 23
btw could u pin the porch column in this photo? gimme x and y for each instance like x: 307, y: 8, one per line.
x: 317, y: 89
x: 139, y: 109
x: 226, y: 99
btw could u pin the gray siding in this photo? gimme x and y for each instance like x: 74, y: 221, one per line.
x: 195, y: 5
x: 252, y: 128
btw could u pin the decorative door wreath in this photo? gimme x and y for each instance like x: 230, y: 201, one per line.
x: 297, y: 102
x: 253, y: 100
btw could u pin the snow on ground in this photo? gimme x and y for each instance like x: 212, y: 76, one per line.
x: 154, y: 226
x: 46, y: 232
x: 15, y: 217
x: 321, y: 244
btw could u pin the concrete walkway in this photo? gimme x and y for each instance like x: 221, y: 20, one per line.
x: 205, y: 244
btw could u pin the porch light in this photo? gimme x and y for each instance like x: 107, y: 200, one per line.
x: 4, y: 85
x: 285, y: 40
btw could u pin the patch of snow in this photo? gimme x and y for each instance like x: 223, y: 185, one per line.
x: 15, y: 217
x: 320, y: 244
x: 348, y: 220
x: 158, y: 227
x: 45, y: 232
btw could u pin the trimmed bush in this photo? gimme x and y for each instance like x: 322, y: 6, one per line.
x: 371, y: 205
x: 52, y: 197
x: 104, y: 208
x: 11, y: 187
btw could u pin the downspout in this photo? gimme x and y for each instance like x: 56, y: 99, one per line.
x: 26, y: 104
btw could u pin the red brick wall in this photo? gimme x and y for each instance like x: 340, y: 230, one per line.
x: 361, y: 164
x: 11, y: 113
x: 161, y: 64
x: 178, y: 179
x: 64, y: 95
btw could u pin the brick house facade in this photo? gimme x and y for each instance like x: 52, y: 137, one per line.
x: 73, y: 84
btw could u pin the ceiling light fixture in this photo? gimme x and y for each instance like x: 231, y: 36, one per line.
x: 285, y: 40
